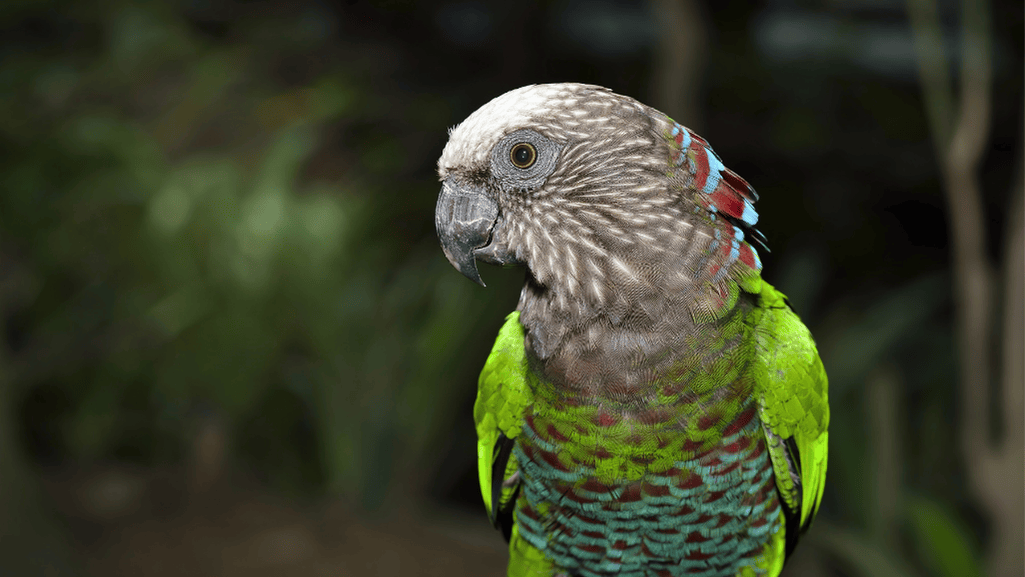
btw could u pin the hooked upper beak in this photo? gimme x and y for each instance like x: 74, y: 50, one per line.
x: 465, y: 218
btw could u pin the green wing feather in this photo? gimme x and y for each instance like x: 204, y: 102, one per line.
x: 503, y: 393
x: 502, y: 396
x: 793, y: 402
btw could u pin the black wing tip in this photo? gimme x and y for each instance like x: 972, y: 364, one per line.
x: 501, y: 514
x: 504, y: 520
x: 794, y: 528
x: 792, y: 535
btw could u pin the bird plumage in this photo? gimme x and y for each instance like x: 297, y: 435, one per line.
x: 652, y: 407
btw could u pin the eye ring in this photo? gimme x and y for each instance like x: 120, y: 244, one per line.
x: 523, y: 155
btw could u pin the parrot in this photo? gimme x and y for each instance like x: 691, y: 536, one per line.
x: 652, y: 407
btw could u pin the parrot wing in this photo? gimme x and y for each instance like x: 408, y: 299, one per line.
x: 791, y: 389
x: 502, y: 396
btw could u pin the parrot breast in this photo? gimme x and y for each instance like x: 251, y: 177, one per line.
x: 637, y: 498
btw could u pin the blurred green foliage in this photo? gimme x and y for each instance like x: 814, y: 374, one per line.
x: 178, y: 261
x: 942, y: 540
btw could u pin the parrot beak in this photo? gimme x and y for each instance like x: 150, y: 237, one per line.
x: 464, y: 217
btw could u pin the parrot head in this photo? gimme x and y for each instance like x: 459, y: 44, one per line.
x: 617, y: 212
x: 556, y: 177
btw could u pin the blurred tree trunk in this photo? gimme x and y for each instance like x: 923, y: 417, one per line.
x: 994, y: 467
x: 32, y: 543
x: 887, y: 454
x: 1009, y: 466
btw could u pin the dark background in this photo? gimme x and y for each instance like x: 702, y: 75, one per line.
x: 232, y: 346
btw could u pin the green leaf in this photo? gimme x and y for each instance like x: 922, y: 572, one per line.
x: 941, y: 538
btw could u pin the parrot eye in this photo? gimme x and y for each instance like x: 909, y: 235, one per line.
x: 523, y: 160
x: 523, y: 155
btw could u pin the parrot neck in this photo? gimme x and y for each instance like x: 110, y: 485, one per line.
x: 624, y: 348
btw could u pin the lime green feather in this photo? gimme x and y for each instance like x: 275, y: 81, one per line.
x: 793, y: 399
x: 502, y: 396
x: 525, y: 560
